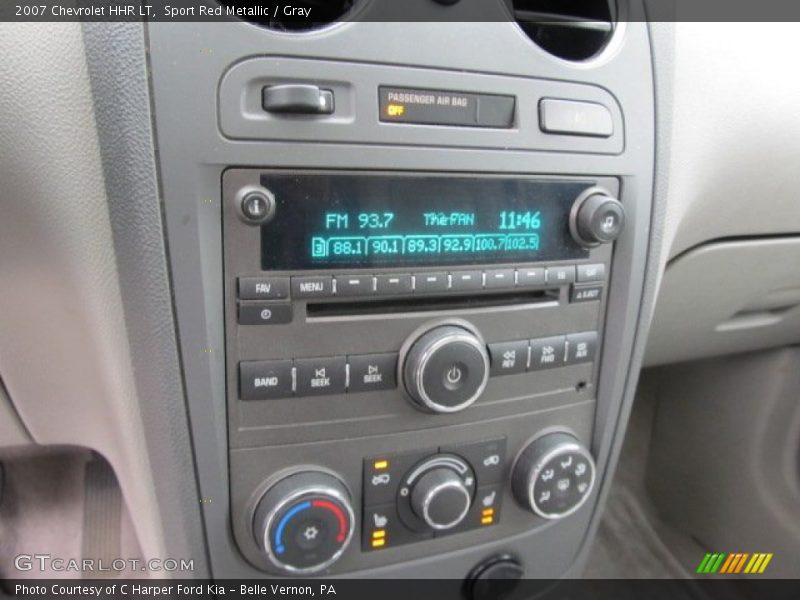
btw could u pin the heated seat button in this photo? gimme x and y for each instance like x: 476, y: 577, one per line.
x: 508, y: 357
x: 265, y: 379
x: 258, y: 313
x: 318, y: 376
x: 382, y: 528
x: 370, y: 372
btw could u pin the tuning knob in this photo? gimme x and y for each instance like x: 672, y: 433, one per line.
x: 596, y: 218
x: 304, y: 522
x: 553, y: 476
x: 446, y: 369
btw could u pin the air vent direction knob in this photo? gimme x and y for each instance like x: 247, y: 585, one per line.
x: 596, y: 218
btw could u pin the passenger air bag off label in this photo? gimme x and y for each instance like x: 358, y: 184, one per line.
x: 439, y: 107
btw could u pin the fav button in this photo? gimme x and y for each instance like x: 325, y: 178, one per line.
x: 263, y: 288
x: 317, y: 376
x: 373, y: 372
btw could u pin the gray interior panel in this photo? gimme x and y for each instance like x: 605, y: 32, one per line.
x: 12, y: 431
x: 727, y: 297
x: 194, y: 153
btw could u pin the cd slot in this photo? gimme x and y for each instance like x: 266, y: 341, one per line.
x: 444, y: 303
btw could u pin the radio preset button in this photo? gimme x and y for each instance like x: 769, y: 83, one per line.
x: 265, y: 314
x: 320, y: 286
x: 591, y: 273
x: 585, y: 293
x: 319, y: 376
x: 508, y: 357
x: 581, y: 347
x: 530, y: 277
x: 354, y: 285
x: 265, y: 379
x: 560, y: 275
x: 465, y: 281
x: 370, y: 372
x: 548, y: 352
x: 263, y: 288
x: 393, y: 284
x: 500, y: 278
x: 427, y: 283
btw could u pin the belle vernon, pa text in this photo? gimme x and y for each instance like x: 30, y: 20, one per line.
x: 210, y: 589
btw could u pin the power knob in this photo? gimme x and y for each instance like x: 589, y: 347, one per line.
x: 446, y: 369
x: 553, y: 475
x: 596, y: 218
x: 304, y: 522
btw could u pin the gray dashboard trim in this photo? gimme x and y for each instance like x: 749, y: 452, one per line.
x: 118, y: 74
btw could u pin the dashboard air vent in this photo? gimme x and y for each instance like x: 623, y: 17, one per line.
x: 300, y: 15
x: 570, y: 29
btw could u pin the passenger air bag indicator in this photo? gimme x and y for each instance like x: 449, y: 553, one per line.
x: 441, y: 107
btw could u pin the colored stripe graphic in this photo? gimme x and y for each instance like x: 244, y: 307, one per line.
x: 734, y: 563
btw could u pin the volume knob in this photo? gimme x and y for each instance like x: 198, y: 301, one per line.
x: 446, y: 369
x: 596, y: 218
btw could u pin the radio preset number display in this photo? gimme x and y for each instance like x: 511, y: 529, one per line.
x: 330, y: 221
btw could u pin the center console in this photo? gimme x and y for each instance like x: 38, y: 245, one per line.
x: 408, y: 289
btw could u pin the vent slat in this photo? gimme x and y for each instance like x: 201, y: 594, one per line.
x: 575, y: 30
x: 557, y: 20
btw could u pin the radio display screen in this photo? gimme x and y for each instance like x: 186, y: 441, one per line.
x: 325, y: 221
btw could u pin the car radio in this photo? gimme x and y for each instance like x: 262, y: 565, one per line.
x: 408, y: 355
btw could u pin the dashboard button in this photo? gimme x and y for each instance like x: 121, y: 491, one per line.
x: 560, y: 275
x: 427, y: 283
x: 393, y: 284
x: 485, y: 510
x: 317, y: 376
x: 500, y: 278
x: 531, y: 277
x: 265, y: 379
x: 354, y: 285
x: 488, y: 459
x: 465, y: 281
x: 581, y: 347
x: 370, y: 372
x: 508, y: 357
x: 382, y: 475
x: 312, y: 287
x: 585, y: 293
x: 590, y: 273
x: 381, y: 528
x: 263, y: 288
x: 264, y: 314
x: 548, y: 352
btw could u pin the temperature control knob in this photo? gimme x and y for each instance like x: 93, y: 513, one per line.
x: 596, y: 218
x: 553, y: 476
x: 446, y: 369
x: 441, y: 499
x: 304, y: 522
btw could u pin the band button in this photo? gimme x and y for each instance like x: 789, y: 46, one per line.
x: 265, y: 379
